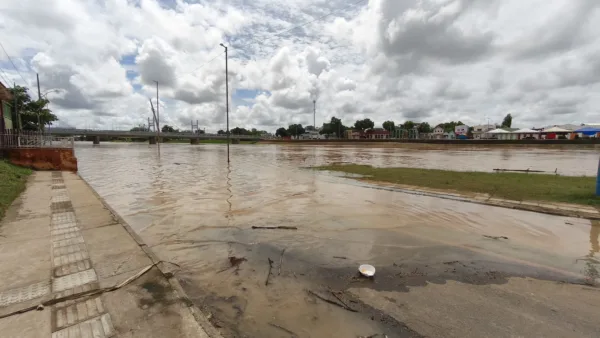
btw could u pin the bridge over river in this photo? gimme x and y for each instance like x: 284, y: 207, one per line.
x: 150, y: 135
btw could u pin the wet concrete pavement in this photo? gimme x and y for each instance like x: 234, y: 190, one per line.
x: 444, y: 268
x: 63, y: 253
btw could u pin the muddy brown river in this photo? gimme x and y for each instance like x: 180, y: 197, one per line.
x: 444, y: 268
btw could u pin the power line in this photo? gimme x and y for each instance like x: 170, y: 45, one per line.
x: 11, y: 61
x: 207, y: 62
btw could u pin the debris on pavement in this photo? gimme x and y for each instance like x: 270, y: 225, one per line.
x: 281, y: 227
x: 367, y: 270
x: 495, y: 237
x: 269, y: 274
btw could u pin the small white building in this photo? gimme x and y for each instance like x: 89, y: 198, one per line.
x: 438, y: 132
x: 481, y: 131
x: 463, y: 129
x: 312, y: 135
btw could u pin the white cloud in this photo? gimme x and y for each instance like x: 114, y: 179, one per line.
x: 384, y: 59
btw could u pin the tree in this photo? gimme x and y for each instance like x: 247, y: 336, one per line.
x: 363, y: 125
x: 309, y: 128
x: 425, y: 128
x: 221, y: 132
x: 389, y: 126
x: 507, y: 122
x: 199, y: 131
x: 168, y: 129
x: 449, y: 127
x: 334, y: 126
x: 281, y: 132
x: 295, y: 130
x: 408, y: 125
x: 139, y: 128
x: 30, y: 111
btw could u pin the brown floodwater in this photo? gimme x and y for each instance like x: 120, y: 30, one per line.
x: 437, y: 267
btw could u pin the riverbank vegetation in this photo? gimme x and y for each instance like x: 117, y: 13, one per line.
x: 513, y: 186
x: 12, y: 183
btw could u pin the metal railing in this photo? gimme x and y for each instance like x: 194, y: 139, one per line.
x: 30, y: 139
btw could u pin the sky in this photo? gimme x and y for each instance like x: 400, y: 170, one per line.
x: 420, y: 60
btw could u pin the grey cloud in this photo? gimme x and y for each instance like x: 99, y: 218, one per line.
x: 559, y: 33
x: 195, y: 96
x: 315, y: 63
x: 288, y: 101
x: 447, y: 89
x: 433, y: 35
x: 345, y: 84
x: 154, y: 63
x: 59, y: 77
x: 496, y: 81
x: 104, y: 114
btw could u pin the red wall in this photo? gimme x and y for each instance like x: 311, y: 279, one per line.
x: 43, y: 158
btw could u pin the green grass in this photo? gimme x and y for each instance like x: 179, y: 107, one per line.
x: 12, y: 183
x: 513, y: 186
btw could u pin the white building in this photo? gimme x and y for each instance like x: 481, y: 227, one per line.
x: 438, y: 132
x: 312, y: 135
x: 463, y: 129
x: 481, y: 131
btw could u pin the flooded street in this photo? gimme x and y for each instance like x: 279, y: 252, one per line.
x: 438, y: 275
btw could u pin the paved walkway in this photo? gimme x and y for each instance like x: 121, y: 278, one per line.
x: 61, y: 247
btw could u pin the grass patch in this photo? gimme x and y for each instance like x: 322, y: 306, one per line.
x: 12, y: 183
x: 513, y: 186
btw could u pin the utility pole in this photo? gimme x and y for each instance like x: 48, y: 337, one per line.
x: 16, y: 109
x: 39, y: 99
x: 315, y: 114
x: 157, y: 112
x: 227, y: 98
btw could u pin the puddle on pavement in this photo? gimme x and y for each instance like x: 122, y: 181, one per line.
x: 199, y: 215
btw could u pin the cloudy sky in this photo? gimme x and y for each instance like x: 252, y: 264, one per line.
x: 420, y: 60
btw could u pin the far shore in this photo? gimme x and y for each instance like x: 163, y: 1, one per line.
x: 392, y: 142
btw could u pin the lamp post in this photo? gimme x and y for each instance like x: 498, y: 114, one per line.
x: 226, y: 98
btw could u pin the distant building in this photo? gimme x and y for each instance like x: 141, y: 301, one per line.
x: 353, y: 134
x: 438, y: 132
x: 463, y: 130
x: 377, y: 134
x: 312, y: 135
x: 449, y: 136
x: 481, y: 131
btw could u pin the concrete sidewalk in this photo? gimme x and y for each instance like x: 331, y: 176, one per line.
x: 61, y: 247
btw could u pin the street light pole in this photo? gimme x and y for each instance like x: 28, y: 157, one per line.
x: 157, y: 112
x: 226, y: 98
x: 315, y: 114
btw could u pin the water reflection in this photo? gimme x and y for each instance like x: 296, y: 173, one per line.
x: 195, y: 210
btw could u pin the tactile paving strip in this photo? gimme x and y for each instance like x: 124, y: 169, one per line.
x: 74, y: 280
x: 73, y: 312
x: 62, y: 218
x: 63, y: 231
x: 70, y: 258
x: 98, y: 327
x: 76, y: 240
x: 68, y: 269
x: 24, y: 293
x: 60, y: 198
